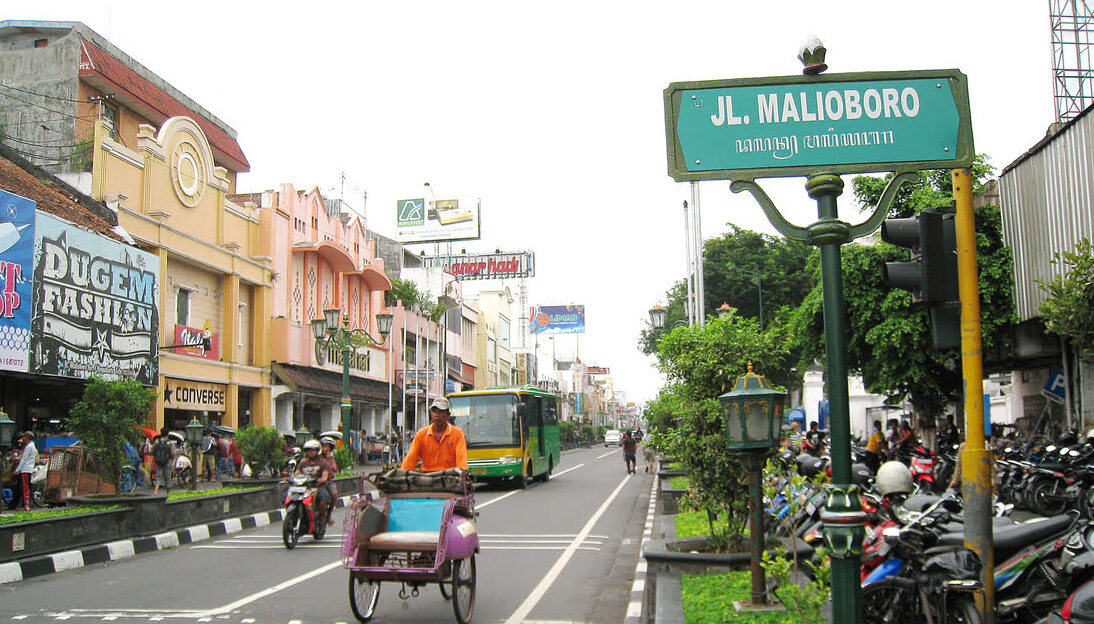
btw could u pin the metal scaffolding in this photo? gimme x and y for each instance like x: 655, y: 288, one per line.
x: 1072, y: 67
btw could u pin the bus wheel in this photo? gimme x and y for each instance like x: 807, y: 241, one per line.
x: 547, y: 475
x: 523, y: 480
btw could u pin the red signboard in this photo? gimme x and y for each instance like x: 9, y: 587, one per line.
x: 598, y: 370
x: 192, y: 336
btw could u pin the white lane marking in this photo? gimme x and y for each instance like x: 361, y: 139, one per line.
x: 265, y: 547
x: 607, y: 454
x: 246, y: 600
x: 544, y: 535
x: 548, y: 579
x: 559, y: 474
x: 590, y: 548
x: 534, y: 541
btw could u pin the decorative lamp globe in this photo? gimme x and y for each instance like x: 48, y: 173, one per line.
x: 658, y: 316
x: 333, y: 317
x: 194, y: 431
x: 383, y: 323
x: 319, y: 328
x: 302, y: 436
x: 752, y: 413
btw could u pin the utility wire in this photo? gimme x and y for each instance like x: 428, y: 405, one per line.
x: 44, y: 95
x: 46, y: 145
x: 36, y: 105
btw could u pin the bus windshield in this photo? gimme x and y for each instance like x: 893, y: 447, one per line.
x: 487, y: 420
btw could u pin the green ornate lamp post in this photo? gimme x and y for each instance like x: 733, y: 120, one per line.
x: 753, y: 414
x: 194, y: 431
x: 329, y: 332
x: 7, y: 430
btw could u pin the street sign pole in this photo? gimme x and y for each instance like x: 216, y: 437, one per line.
x: 976, y: 459
x: 822, y: 127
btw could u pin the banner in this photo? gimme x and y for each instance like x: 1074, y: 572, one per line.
x: 419, y: 221
x: 193, y: 336
x: 486, y: 266
x: 95, y: 305
x: 558, y: 320
x: 16, y: 279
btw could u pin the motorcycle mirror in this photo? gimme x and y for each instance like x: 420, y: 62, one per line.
x: 1008, y: 450
x: 1075, y: 453
x: 1050, y: 448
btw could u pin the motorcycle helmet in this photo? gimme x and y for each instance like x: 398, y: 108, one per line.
x: 893, y: 477
x: 311, y: 445
x: 326, y: 441
x: 860, y: 474
x: 809, y: 466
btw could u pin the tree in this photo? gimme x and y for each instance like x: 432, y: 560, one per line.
x: 261, y: 446
x: 109, y: 415
x: 685, y: 420
x: 780, y: 263
x: 888, y: 338
x: 1068, y: 308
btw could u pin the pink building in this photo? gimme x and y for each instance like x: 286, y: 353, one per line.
x: 322, y: 258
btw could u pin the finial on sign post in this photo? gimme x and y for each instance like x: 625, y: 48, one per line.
x: 812, y: 56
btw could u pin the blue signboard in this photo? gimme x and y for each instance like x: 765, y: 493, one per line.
x: 1055, y: 388
x: 16, y: 279
x: 558, y: 320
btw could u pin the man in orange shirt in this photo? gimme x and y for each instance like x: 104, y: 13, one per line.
x: 439, y: 445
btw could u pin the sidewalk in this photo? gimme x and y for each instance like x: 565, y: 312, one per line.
x: 40, y: 565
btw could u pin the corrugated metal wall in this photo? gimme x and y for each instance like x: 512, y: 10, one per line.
x: 1048, y: 205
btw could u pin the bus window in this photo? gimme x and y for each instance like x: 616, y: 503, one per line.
x: 487, y: 420
x: 550, y: 411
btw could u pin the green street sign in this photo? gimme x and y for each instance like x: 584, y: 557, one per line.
x: 786, y: 126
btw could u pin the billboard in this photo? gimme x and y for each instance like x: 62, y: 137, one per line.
x: 16, y: 279
x: 486, y: 266
x: 422, y: 221
x: 95, y: 305
x: 558, y: 319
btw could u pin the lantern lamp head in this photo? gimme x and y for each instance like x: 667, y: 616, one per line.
x: 752, y: 413
x: 194, y: 431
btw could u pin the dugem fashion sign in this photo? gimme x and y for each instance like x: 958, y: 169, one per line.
x: 558, y: 319
x: 95, y: 305
x: 486, y: 266
x: 798, y: 125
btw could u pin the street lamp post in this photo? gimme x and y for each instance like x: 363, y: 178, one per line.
x: 658, y: 316
x: 332, y: 333
x: 759, y: 289
x: 752, y: 413
x: 194, y: 430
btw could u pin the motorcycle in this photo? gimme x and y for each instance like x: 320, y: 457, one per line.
x: 302, y: 516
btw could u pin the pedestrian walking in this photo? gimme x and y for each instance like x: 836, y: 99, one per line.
x: 224, y: 458
x: 630, y: 446
x: 23, y: 471
x: 647, y: 455
x: 208, y: 447
x: 236, y: 456
x: 163, y: 455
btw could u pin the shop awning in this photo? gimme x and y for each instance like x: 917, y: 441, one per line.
x: 329, y: 384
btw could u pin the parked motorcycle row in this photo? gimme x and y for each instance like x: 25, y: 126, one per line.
x: 915, y: 567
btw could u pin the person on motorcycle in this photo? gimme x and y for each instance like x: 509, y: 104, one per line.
x: 903, y: 444
x: 327, y: 455
x: 813, y: 442
x: 439, y: 445
x: 316, y: 468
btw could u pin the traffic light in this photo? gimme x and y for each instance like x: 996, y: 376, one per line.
x: 931, y: 275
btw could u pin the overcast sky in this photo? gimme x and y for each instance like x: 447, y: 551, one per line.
x: 551, y: 112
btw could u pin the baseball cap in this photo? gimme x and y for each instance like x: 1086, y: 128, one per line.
x: 440, y: 403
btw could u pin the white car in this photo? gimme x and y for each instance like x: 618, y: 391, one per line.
x: 613, y: 437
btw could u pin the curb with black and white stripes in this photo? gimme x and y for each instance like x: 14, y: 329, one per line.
x: 70, y: 559
x: 638, y: 587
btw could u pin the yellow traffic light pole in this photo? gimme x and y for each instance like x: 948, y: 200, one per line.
x: 976, y: 459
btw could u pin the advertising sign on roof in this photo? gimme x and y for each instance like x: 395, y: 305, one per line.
x: 16, y: 279
x: 486, y: 266
x: 793, y: 125
x: 420, y: 221
x: 558, y: 319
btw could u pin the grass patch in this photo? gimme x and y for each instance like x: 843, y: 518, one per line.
x: 184, y: 494
x: 708, y: 599
x: 28, y: 516
x: 679, y: 483
x: 691, y: 524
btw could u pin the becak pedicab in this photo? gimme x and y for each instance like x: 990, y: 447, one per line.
x: 420, y: 530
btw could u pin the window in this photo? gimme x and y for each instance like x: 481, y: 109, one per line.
x: 182, y: 306
x: 503, y: 332
x: 491, y: 350
x: 110, y: 120
x: 239, y: 324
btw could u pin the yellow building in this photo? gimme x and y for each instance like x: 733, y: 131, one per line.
x: 166, y: 166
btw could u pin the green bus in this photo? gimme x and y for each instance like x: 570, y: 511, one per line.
x: 512, y: 433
